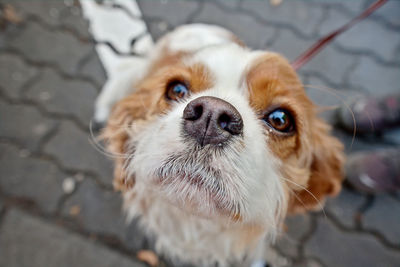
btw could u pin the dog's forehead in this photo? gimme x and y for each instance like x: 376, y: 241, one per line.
x: 228, y: 64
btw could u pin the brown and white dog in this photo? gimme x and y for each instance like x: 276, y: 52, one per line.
x: 214, y: 144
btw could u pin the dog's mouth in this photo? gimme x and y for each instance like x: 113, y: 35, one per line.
x: 190, y: 181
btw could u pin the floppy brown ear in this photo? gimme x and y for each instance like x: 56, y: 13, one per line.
x: 326, y: 174
x: 117, y: 133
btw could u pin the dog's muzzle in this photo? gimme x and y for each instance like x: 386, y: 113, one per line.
x: 211, y: 120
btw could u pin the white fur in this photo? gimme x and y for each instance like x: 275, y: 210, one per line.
x: 188, y: 223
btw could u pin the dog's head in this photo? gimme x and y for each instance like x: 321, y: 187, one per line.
x: 225, y: 132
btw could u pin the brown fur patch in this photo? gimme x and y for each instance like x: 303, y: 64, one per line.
x: 148, y: 100
x: 311, y: 158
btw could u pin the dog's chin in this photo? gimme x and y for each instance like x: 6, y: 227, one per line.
x: 203, y: 195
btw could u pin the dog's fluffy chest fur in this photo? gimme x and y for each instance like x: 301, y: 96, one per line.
x: 190, y: 238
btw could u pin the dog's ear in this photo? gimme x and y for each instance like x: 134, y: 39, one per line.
x: 325, y: 172
x: 117, y: 134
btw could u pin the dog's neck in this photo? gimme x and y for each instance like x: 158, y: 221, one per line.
x: 182, y: 235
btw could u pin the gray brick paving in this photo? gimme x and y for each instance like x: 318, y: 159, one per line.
x: 14, y: 74
x: 214, y: 14
x: 101, y: 214
x: 36, y: 126
x: 289, y: 242
x: 283, y: 43
x: 335, y: 66
x: 64, y: 96
x: 78, y: 153
x: 66, y: 50
x: 168, y: 10
x: 336, y: 248
x: 306, y: 17
x: 346, y: 207
x: 359, y: 38
x: 93, y: 68
x: 376, y: 218
x: 62, y: 15
x: 30, y: 178
x: 48, y: 86
x: 327, y: 97
x: 376, y: 79
x: 29, y: 241
x: 388, y: 13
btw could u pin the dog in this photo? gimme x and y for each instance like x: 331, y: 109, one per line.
x: 214, y: 144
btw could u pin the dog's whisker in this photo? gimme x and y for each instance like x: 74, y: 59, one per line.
x: 309, y: 192
x: 335, y: 93
x: 93, y: 140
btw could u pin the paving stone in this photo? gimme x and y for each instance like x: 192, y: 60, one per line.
x: 93, y: 68
x: 72, y: 18
x: 384, y: 217
x: 14, y: 73
x: 234, y: 4
x: 331, y: 64
x: 72, y: 147
x: 158, y: 28
x: 101, y: 213
x: 376, y: 79
x: 24, y: 124
x: 298, y: 14
x: 64, y: 96
x: 284, y: 44
x: 308, y: 263
x: 238, y: 23
x: 345, y: 207
x: 368, y: 35
x: 29, y: 241
x: 8, y: 34
x: 53, y: 13
x: 329, y: 98
x: 30, y: 178
x: 389, y: 12
x: 174, y: 12
x: 354, y: 7
x: 336, y: 248
x: 47, y: 11
x: 297, y: 226
x: 66, y: 51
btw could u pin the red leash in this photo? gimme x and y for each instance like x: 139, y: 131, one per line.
x: 321, y: 43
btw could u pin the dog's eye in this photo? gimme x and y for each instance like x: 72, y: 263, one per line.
x: 281, y: 120
x: 177, y: 90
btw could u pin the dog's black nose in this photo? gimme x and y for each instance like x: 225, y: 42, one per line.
x: 211, y: 120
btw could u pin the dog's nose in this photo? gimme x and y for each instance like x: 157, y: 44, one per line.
x: 211, y: 120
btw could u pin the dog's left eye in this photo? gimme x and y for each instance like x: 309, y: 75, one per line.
x: 281, y: 120
x: 177, y: 90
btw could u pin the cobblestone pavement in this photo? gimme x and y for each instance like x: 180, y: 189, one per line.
x: 57, y: 205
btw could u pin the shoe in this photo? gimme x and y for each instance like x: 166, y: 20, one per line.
x: 374, y: 172
x: 372, y: 115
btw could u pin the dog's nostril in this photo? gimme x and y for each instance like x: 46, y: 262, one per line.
x: 231, y: 122
x: 224, y: 121
x: 193, y: 112
x: 198, y: 111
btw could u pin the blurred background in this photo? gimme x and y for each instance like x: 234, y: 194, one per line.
x: 57, y: 204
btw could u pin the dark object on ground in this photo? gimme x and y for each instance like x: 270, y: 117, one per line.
x: 374, y: 172
x: 372, y: 115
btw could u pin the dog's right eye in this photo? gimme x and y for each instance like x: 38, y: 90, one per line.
x: 177, y: 90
